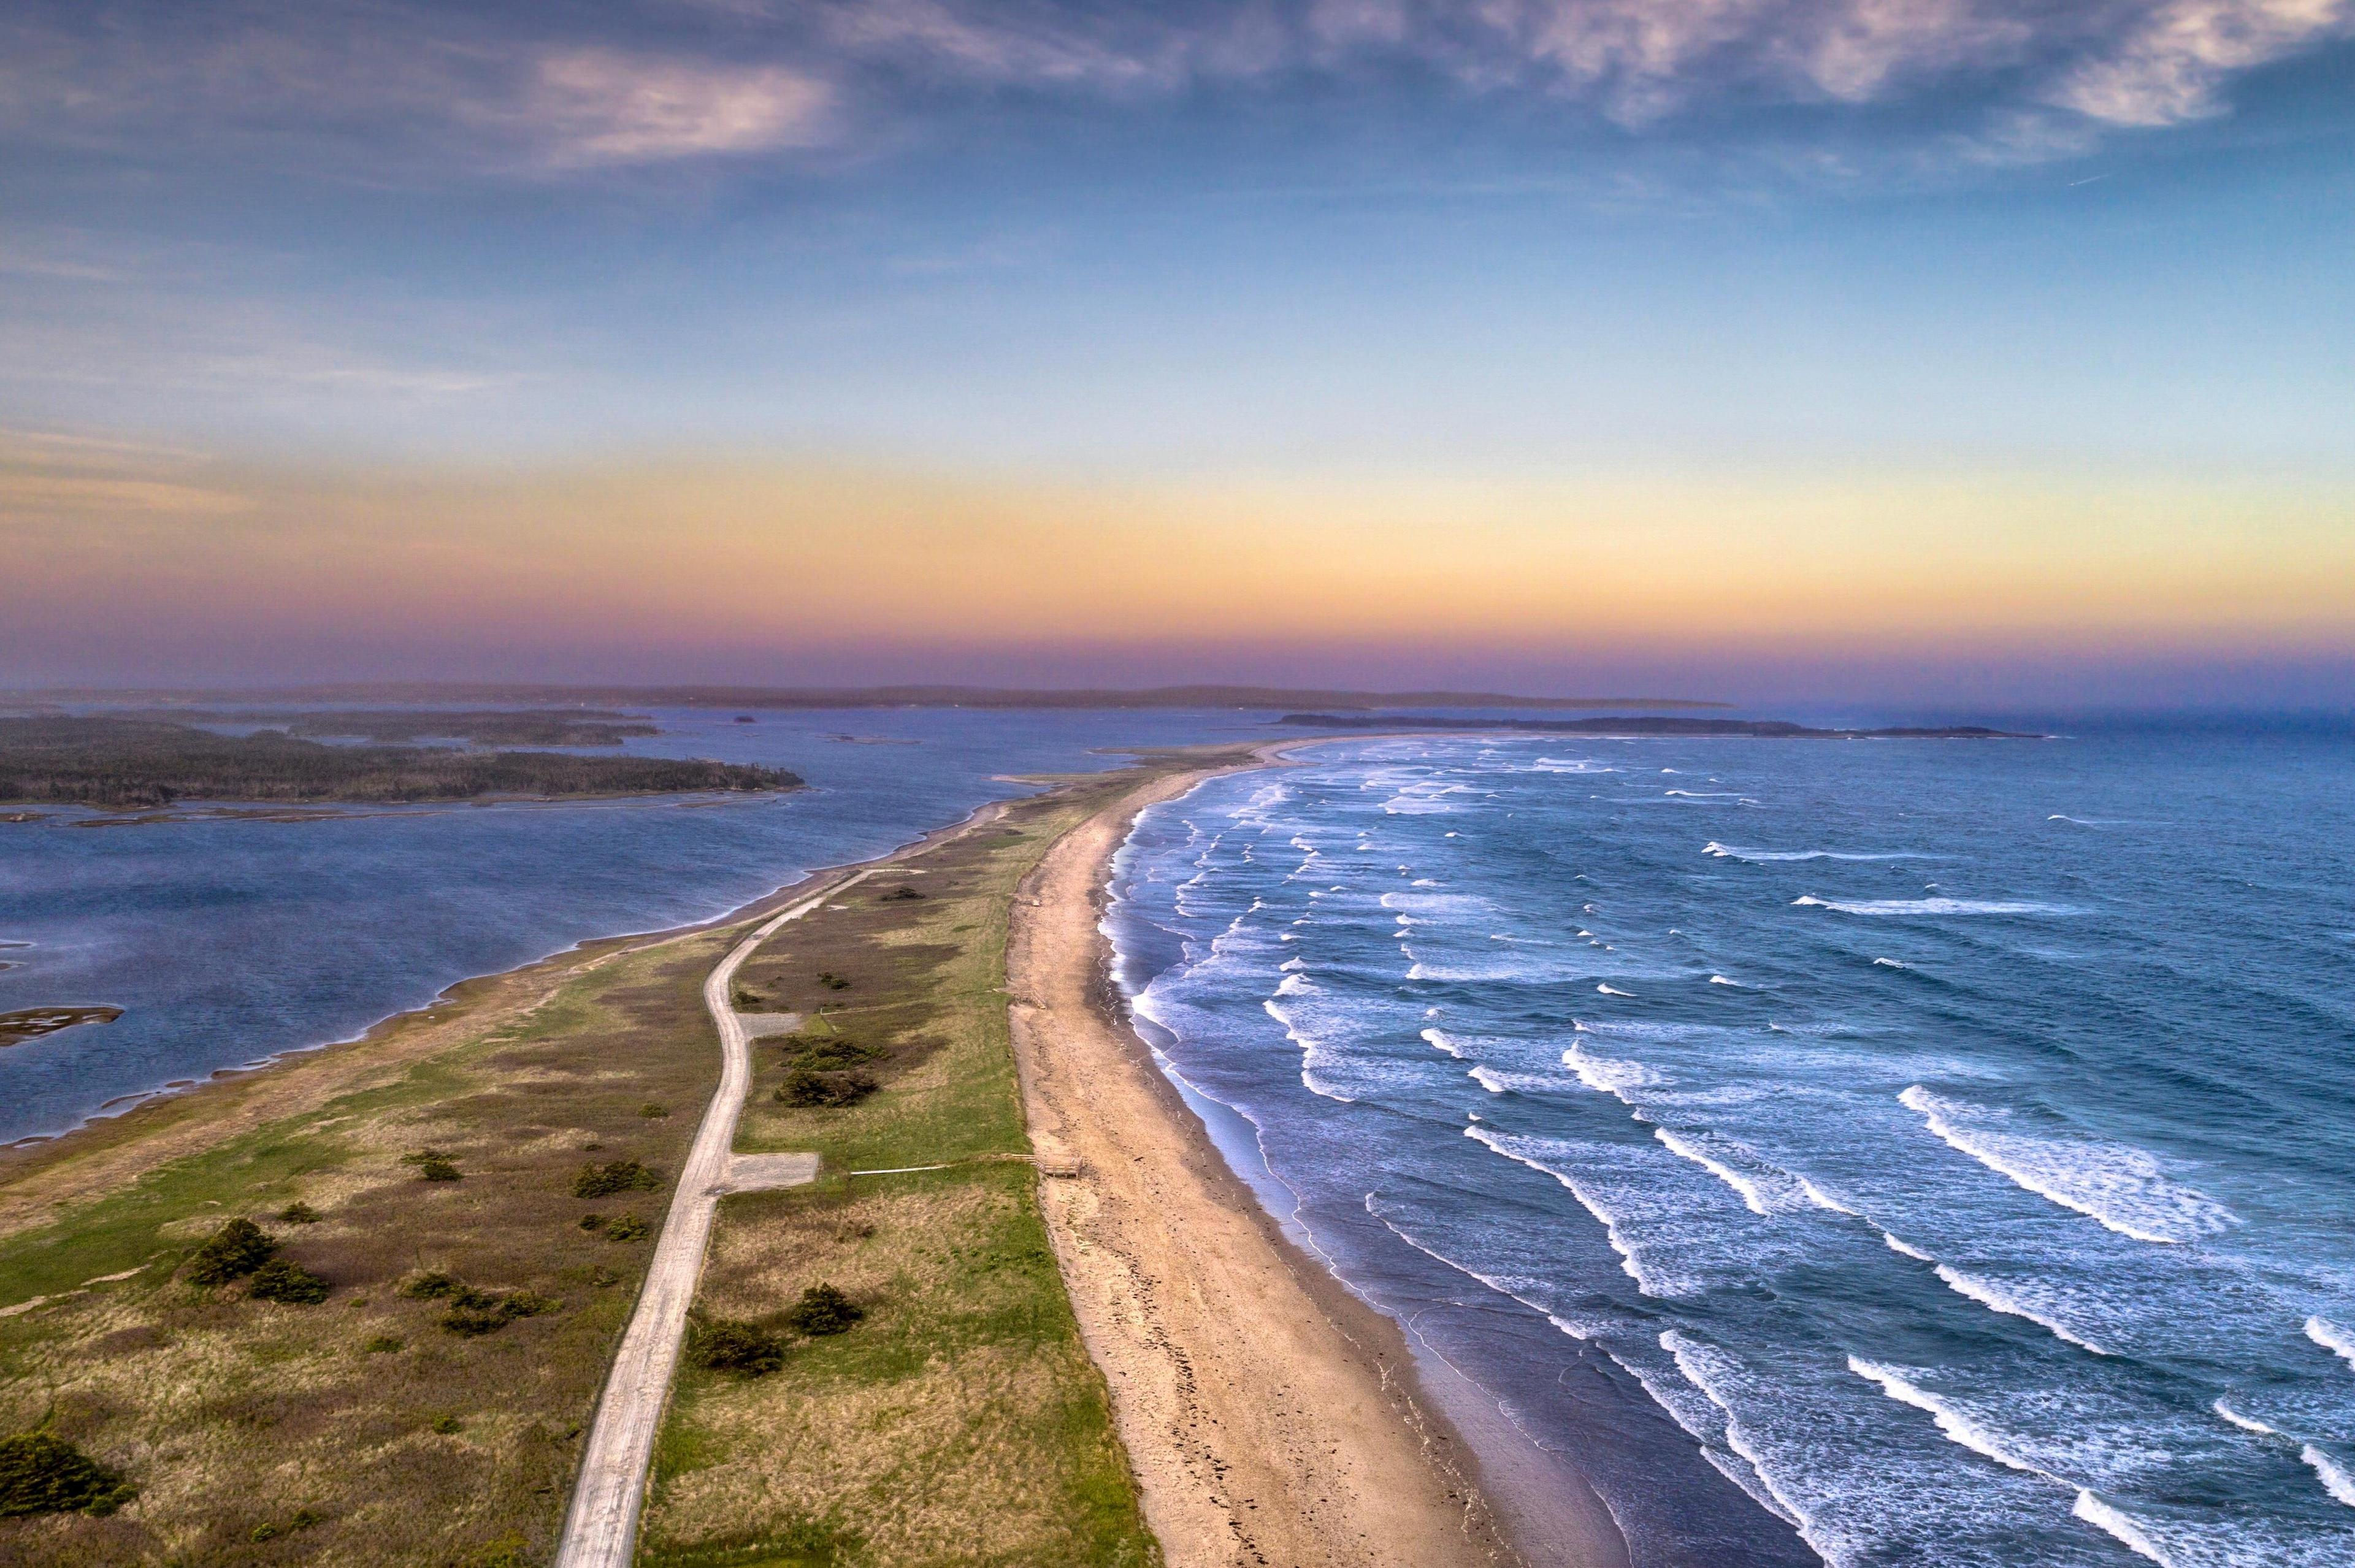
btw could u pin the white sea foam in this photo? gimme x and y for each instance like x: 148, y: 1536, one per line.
x: 2334, y: 1478
x: 1568, y: 765
x: 1497, y: 1081
x: 1958, y: 1426
x: 1607, y: 1076
x: 1614, y: 991
x: 1899, y: 1245
x: 1701, y: 1368
x: 1706, y: 793
x: 2245, y: 1422
x: 1892, y: 964
x: 1439, y: 1041
x: 2101, y: 1515
x: 2116, y: 1185
x: 2331, y: 1338
x: 1932, y: 906
x: 1722, y: 980
x: 1752, y: 1195
x: 2013, y: 1303
x: 1821, y: 1198
x: 1766, y: 856
x: 1295, y: 984
x: 1604, y: 1215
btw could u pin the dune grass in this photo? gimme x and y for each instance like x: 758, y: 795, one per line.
x: 960, y: 1421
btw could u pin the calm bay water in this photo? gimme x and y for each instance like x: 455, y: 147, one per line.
x: 227, y: 941
x: 1890, y: 1153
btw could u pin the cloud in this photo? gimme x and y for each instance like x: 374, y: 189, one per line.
x: 602, y: 106
x: 2172, y: 63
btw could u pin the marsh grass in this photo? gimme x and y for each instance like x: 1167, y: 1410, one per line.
x: 231, y: 1416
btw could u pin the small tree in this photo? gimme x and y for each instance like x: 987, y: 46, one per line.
x: 823, y: 1310
x: 281, y: 1279
x: 236, y: 1250
x: 42, y: 1473
x: 299, y: 1214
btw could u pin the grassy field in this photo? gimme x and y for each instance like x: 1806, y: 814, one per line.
x: 961, y: 1421
x: 358, y: 1430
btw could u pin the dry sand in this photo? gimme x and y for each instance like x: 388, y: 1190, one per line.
x: 1272, y: 1417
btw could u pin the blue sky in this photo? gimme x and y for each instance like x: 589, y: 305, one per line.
x: 1517, y: 241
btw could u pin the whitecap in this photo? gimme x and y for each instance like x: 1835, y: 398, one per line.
x: 1722, y: 980
x: 2013, y: 1303
x: 1821, y: 1198
x: 1753, y: 1195
x: 1606, y: 1076
x: 1906, y: 1248
x: 1957, y: 1427
x: 2101, y: 1515
x: 1892, y: 964
x: 1932, y: 906
x: 2245, y: 1422
x: 2116, y: 1185
x: 1766, y: 856
x: 2331, y: 1338
x: 1613, y: 991
x: 2334, y: 1478
x: 1440, y: 1041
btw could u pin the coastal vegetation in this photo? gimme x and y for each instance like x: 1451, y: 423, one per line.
x: 143, y: 763
x: 479, y: 727
x: 932, y: 1404
x: 412, y: 1387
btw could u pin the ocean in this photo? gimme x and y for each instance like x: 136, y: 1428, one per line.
x: 1891, y: 1152
x: 227, y: 941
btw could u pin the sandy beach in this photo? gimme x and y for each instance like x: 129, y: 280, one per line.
x: 1272, y: 1416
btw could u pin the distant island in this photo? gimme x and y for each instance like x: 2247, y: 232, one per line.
x: 533, y: 727
x: 1773, y: 729
x: 758, y: 696
x: 148, y: 763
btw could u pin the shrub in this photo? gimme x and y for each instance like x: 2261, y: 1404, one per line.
x: 281, y: 1279
x: 613, y: 1176
x: 449, y: 1425
x: 436, y: 1169
x: 593, y: 1223
x: 299, y: 1214
x: 805, y: 1086
x: 431, y: 1285
x: 832, y: 981
x: 42, y: 1473
x: 477, y: 1312
x: 899, y: 895
x: 236, y: 1250
x: 746, y: 997
x: 626, y: 1228
x: 834, y: 1055
x: 382, y: 1344
x: 653, y: 1111
x: 823, y: 1310
x: 732, y: 1345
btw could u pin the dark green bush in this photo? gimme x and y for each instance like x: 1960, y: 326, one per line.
x: 42, y: 1473
x: 476, y: 1312
x: 823, y: 1310
x: 625, y: 1228
x: 299, y: 1214
x: 593, y: 1223
x: 835, y: 1054
x: 899, y: 895
x: 653, y: 1111
x: 806, y: 1086
x: 281, y: 1279
x: 613, y: 1176
x: 732, y: 1345
x: 832, y: 981
x: 236, y: 1250
x: 382, y: 1344
x: 431, y: 1285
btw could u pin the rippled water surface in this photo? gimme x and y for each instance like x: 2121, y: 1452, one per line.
x: 227, y: 941
x: 1933, y: 1152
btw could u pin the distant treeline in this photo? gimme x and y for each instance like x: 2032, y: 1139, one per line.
x: 149, y: 762
x: 1771, y: 729
x: 1272, y: 698
x: 534, y: 727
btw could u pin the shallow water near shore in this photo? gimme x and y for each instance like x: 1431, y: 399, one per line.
x: 229, y: 940
x: 1905, y: 1152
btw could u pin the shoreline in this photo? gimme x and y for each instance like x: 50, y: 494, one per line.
x: 1211, y: 1326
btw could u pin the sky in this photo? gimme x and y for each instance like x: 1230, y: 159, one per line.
x: 1949, y: 351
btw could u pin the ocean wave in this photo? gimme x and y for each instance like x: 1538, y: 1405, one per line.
x: 1497, y: 1081
x: 1704, y: 1369
x: 1722, y: 980
x: 1607, y: 1076
x: 1906, y: 1248
x: 1952, y: 1421
x: 1705, y: 793
x: 2334, y: 1476
x: 1933, y: 906
x: 1568, y: 765
x: 1892, y: 964
x: 2011, y: 1302
x: 1653, y: 1281
x: 1440, y: 1041
x: 2116, y: 1185
x: 1768, y: 856
x: 1822, y: 1199
x: 2331, y: 1338
x: 1613, y: 991
x: 2245, y: 1422
x: 2119, y: 1526
x: 1313, y: 1054
x: 1753, y: 1195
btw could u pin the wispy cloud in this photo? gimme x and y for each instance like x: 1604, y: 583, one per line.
x: 543, y: 91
